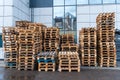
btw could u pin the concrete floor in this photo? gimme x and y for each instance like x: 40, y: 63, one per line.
x: 85, y: 74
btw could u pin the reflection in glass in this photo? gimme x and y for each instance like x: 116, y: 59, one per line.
x: 65, y: 18
x: 95, y: 1
x: 70, y: 9
x: 108, y: 1
x: 59, y: 17
x: 58, y: 2
x: 70, y: 2
x: 70, y: 18
x: 82, y: 1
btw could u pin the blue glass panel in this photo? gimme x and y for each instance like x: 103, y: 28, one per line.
x: 70, y: 2
x: 108, y: 1
x: 118, y: 1
x: 59, y: 17
x: 95, y: 1
x: 82, y: 1
x: 58, y: 2
x: 70, y: 18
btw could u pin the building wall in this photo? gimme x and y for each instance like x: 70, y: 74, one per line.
x: 13, y: 10
x: 86, y: 15
x: 42, y: 15
x: 21, y: 10
x: 6, y: 12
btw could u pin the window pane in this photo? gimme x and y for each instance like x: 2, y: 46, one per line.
x: 71, y: 10
x: 70, y: 18
x: 58, y: 2
x: 59, y: 17
x: 58, y: 12
x: 70, y: 2
x: 95, y: 1
x: 108, y: 1
x: 82, y: 1
x: 118, y: 1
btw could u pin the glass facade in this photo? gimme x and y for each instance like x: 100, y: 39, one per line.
x: 70, y: 18
x: 11, y: 11
x: 70, y: 2
x: 95, y: 1
x: 108, y: 1
x: 91, y: 2
x: 59, y: 17
x: 58, y: 2
x: 118, y: 1
x: 82, y: 2
x: 64, y: 16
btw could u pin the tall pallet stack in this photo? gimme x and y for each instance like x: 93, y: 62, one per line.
x: 28, y: 46
x: 30, y: 43
x: 51, y: 39
x: 68, y: 61
x: 10, y: 43
x: 87, y: 40
x: 67, y: 43
x: 39, y: 28
x: 46, y: 61
x: 106, y: 37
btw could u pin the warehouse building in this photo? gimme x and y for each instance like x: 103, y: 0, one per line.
x: 69, y: 15
x: 61, y: 13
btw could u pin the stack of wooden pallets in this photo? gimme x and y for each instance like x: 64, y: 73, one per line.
x: 10, y: 43
x: 69, y: 61
x: 46, y: 61
x: 30, y: 43
x: 87, y: 40
x: 22, y: 24
x: 28, y: 46
x: 67, y: 43
x: 51, y: 39
x: 106, y: 36
x: 39, y: 28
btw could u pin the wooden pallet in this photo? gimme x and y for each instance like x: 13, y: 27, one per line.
x: 38, y: 27
x: 69, y: 47
x: 22, y: 24
x: 107, y: 62
x: 88, y: 31
x: 68, y: 69
x: 67, y: 38
x: 9, y: 37
x: 46, y: 66
x: 11, y: 65
x: 69, y: 61
x: 90, y: 64
x: 86, y: 45
x: 26, y: 68
x: 9, y: 30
